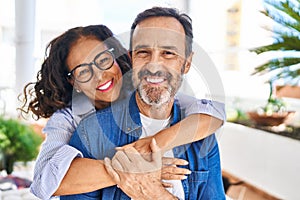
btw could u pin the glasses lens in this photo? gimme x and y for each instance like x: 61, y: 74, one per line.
x: 104, y: 60
x: 83, y: 73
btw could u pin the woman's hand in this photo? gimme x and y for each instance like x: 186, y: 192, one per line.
x: 171, y: 171
x: 142, y: 146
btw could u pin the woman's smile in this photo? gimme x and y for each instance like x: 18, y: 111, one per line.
x: 106, y: 86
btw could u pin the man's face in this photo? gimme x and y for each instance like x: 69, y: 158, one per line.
x: 158, y: 59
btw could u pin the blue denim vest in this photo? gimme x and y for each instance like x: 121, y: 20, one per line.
x: 98, y: 134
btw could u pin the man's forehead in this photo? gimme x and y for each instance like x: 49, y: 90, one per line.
x: 158, y: 37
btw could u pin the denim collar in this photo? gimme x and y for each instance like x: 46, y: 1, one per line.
x: 135, y: 121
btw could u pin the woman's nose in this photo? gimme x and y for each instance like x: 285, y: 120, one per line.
x: 98, y: 73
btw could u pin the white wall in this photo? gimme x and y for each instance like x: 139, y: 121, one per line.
x: 265, y: 160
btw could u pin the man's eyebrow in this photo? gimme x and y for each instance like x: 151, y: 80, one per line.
x: 141, y: 47
x: 174, y: 48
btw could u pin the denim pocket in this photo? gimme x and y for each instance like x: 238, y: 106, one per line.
x: 197, y: 182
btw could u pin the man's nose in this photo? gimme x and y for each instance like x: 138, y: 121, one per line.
x: 155, y: 57
x: 155, y: 62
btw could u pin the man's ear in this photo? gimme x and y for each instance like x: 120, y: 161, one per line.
x: 188, y: 63
x: 129, y: 53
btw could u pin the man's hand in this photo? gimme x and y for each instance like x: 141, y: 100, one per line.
x: 137, y: 177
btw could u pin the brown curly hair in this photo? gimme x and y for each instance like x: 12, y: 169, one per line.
x: 52, y: 90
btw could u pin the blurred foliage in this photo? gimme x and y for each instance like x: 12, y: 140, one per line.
x: 18, y: 141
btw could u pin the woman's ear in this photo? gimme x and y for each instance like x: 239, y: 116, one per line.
x: 72, y: 82
x: 188, y: 63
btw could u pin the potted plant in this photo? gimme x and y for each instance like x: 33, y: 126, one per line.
x: 286, y: 33
x: 284, y: 66
x: 18, y: 142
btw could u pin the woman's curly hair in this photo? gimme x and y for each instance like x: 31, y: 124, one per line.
x: 52, y: 90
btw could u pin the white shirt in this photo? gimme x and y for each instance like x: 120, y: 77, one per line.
x: 151, y: 127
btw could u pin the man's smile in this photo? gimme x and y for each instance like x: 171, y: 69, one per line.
x: 155, y: 80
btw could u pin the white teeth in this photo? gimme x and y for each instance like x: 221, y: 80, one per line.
x: 154, y: 80
x: 105, y: 86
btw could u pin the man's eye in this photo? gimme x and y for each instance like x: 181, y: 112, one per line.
x: 169, y: 54
x: 141, y: 53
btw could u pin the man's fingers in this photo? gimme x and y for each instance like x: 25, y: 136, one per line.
x: 124, y: 162
x: 156, y: 153
x: 133, y: 155
x: 117, y: 165
x: 110, y: 170
x: 174, y: 161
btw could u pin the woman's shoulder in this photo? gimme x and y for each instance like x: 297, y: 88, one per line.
x: 61, y: 117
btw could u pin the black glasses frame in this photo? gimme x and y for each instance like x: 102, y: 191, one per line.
x: 110, y: 51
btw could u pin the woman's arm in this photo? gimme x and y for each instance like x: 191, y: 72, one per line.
x: 193, y: 128
x: 84, y: 175
x: 204, y: 117
x: 55, y: 155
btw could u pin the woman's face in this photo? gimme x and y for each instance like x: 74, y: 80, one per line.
x: 105, y: 85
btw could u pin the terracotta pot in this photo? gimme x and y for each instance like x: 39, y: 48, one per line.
x: 269, y: 120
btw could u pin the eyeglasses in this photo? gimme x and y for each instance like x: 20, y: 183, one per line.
x: 84, y: 72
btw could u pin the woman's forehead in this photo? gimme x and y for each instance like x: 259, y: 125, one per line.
x: 84, y: 50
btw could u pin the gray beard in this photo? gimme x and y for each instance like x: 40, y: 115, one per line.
x: 155, y: 96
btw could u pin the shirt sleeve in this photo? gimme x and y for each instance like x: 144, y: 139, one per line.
x: 55, y: 155
x: 192, y: 105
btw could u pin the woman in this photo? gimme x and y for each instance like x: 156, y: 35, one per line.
x: 83, y: 72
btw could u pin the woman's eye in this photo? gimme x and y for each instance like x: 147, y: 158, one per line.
x: 83, y: 72
x: 103, y: 61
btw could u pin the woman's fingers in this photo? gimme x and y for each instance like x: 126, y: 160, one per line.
x: 174, y: 161
x: 167, y: 185
x: 174, y: 173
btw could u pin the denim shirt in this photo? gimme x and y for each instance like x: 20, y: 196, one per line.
x: 98, y: 134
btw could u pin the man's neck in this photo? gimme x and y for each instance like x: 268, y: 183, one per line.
x: 156, y: 112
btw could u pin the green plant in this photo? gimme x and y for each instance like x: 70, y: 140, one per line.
x: 18, y: 142
x: 286, y: 33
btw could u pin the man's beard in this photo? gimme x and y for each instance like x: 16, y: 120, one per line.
x: 158, y: 95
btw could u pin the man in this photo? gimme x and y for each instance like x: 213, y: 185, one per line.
x: 161, y: 44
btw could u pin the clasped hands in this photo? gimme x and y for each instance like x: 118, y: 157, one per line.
x: 138, y: 170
